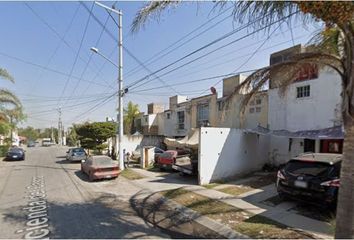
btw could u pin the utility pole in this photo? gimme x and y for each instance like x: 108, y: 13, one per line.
x: 60, y: 142
x: 119, y: 134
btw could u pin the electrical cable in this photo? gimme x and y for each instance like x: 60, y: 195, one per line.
x: 77, y: 54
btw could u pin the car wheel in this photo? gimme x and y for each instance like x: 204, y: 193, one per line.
x: 283, y: 196
x: 91, y: 177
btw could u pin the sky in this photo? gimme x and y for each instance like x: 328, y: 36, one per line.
x: 46, y: 47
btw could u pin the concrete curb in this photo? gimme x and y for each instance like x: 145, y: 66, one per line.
x: 215, y: 226
x: 187, y: 213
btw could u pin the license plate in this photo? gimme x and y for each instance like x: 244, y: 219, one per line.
x: 15, y: 156
x: 300, y: 184
x: 165, y: 165
x: 108, y: 176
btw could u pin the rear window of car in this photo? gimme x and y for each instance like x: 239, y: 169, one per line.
x: 102, y: 161
x: 167, y: 154
x: 308, y: 168
x: 75, y: 150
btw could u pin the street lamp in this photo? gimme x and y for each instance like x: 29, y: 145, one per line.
x: 120, y: 82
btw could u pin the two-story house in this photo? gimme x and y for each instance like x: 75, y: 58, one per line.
x: 307, y: 117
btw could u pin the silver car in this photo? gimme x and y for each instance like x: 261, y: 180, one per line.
x: 76, y: 154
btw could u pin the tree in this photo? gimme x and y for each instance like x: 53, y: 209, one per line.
x: 334, y: 49
x: 10, y: 106
x: 72, y: 137
x: 93, y: 135
x: 29, y: 132
x: 130, y: 113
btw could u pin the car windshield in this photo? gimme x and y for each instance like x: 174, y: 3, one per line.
x: 102, y: 161
x: 15, y: 150
x: 308, y: 168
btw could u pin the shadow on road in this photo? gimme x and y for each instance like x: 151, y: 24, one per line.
x: 102, y: 217
x: 153, y: 209
x: 64, y: 161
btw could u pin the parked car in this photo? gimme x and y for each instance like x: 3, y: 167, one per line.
x: 167, y: 159
x: 313, y: 176
x: 137, y: 152
x: 100, y: 167
x: 15, y: 153
x: 76, y: 154
x: 31, y: 144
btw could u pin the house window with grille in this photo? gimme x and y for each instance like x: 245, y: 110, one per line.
x: 180, y: 119
x: 203, y: 115
x: 168, y: 115
x: 258, y: 101
x: 258, y: 109
x: 303, y: 91
x: 251, y: 110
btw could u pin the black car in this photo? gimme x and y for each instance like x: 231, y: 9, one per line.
x: 15, y: 154
x: 313, y: 177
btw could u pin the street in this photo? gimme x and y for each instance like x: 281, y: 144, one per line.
x: 45, y: 196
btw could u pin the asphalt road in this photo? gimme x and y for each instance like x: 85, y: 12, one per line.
x: 45, y: 196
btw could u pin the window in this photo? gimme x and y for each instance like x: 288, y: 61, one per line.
x: 303, y: 91
x: 252, y: 102
x: 258, y: 101
x: 202, y: 115
x: 251, y: 110
x: 168, y: 115
x: 258, y: 109
x: 180, y: 120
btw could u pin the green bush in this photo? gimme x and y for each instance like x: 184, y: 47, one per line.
x: 3, y: 150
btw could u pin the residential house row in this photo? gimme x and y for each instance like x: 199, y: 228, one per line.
x: 306, y: 118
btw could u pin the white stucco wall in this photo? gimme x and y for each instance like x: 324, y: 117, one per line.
x: 228, y: 152
x: 170, y: 125
x: 315, y: 112
x: 279, y: 149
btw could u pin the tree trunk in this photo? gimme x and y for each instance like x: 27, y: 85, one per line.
x: 345, y: 207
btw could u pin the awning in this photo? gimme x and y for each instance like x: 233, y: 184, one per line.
x: 190, y: 141
x: 325, y: 133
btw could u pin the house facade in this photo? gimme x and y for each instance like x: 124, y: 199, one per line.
x: 307, y: 117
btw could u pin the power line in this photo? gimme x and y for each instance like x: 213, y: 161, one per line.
x: 53, y: 30
x: 154, y: 57
x: 58, y: 46
x: 47, y: 68
x: 77, y: 54
x: 251, y: 56
x: 196, y: 80
x: 129, y: 53
x: 208, y: 45
x: 85, y: 68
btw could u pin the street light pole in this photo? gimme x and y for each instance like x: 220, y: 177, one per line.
x: 120, y: 91
x: 119, y: 135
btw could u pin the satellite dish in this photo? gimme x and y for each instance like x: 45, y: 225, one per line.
x: 213, y: 90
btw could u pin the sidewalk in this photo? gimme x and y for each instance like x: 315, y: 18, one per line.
x: 252, y: 201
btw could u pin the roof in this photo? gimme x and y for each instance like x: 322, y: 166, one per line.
x: 326, y: 133
x: 329, y: 158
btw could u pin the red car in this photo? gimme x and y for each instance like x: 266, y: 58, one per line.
x: 167, y: 159
x: 100, y: 167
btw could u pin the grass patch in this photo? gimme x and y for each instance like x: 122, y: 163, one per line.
x: 211, y: 185
x: 258, y: 226
x: 254, y: 226
x: 131, y: 174
x: 236, y: 190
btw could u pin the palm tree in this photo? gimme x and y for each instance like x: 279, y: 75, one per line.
x: 334, y: 49
x: 130, y: 113
x: 10, y: 106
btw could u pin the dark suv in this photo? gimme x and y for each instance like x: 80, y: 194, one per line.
x: 313, y: 176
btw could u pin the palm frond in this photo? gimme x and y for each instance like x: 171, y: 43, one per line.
x: 6, y: 75
x: 7, y: 97
x: 153, y: 9
x: 264, y: 13
x: 329, y: 40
